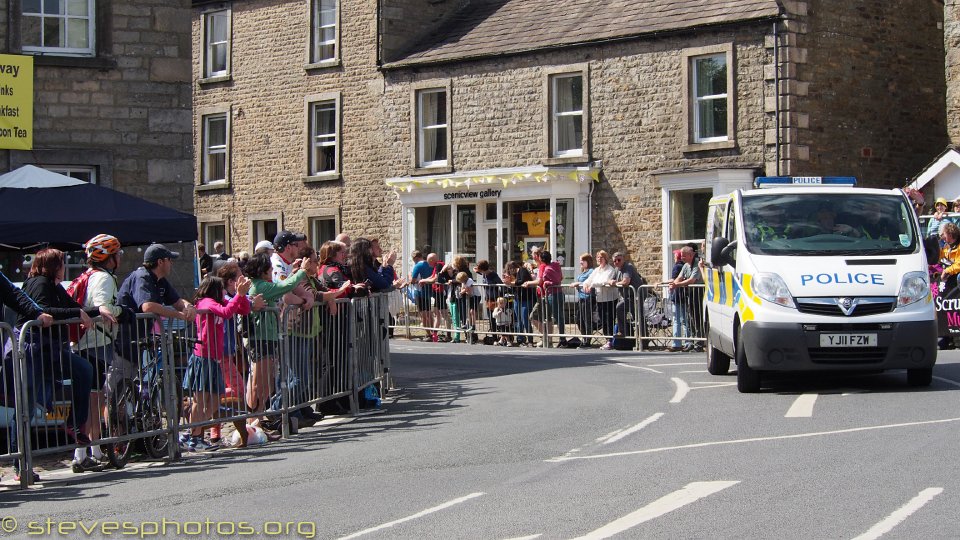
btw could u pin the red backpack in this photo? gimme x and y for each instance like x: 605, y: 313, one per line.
x: 78, y: 291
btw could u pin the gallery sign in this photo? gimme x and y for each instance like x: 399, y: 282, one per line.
x: 16, y: 102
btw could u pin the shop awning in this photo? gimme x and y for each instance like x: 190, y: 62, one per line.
x: 511, y: 176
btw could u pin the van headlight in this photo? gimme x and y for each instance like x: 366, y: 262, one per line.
x: 771, y: 288
x: 914, y: 287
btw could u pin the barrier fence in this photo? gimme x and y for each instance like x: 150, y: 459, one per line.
x: 649, y: 316
x: 139, y: 386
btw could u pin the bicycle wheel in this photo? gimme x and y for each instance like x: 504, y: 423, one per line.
x: 120, y: 422
x: 155, y: 418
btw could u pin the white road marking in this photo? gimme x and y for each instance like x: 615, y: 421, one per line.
x: 691, y: 493
x: 637, y: 367
x: 712, y: 385
x: 634, y: 429
x: 445, y: 505
x: 682, y: 390
x: 608, y: 435
x: 531, y: 537
x: 802, y: 407
x: 757, y: 439
x: 678, y: 364
x: 948, y: 381
x: 900, y: 514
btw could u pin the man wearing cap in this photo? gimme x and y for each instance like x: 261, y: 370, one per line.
x: 147, y: 290
x: 263, y: 246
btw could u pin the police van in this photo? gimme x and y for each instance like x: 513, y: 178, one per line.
x: 813, y: 273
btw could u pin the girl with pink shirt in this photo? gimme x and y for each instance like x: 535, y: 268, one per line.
x: 204, y: 376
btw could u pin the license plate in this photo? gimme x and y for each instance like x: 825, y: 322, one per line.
x: 848, y: 340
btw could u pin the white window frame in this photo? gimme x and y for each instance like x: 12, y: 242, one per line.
x: 75, y: 171
x: 556, y: 115
x: 208, y: 44
x: 317, y: 28
x: 208, y: 151
x: 258, y: 226
x: 321, y: 140
x: 314, y: 217
x: 90, y: 17
x: 205, y: 227
x: 698, y: 99
x: 422, y: 129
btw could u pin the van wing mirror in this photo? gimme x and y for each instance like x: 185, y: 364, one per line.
x: 722, y: 252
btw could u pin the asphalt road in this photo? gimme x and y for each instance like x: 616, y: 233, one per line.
x: 493, y: 443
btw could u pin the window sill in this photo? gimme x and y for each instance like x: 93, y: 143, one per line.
x: 568, y: 160
x: 325, y: 64
x: 212, y: 187
x: 331, y: 176
x: 704, y: 147
x: 217, y: 79
x: 91, y: 62
x: 440, y: 169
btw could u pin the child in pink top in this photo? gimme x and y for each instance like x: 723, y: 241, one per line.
x: 204, y: 377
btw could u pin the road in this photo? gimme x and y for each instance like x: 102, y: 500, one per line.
x: 492, y: 443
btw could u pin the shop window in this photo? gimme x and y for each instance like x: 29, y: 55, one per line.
x: 432, y: 230
x: 564, y: 229
x: 467, y: 231
x: 688, y: 217
x: 529, y: 227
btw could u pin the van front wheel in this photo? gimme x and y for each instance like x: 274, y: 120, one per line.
x: 748, y: 379
x: 718, y: 363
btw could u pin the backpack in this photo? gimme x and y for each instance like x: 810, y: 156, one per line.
x: 78, y: 291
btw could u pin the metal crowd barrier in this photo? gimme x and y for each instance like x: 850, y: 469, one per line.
x: 130, y: 379
x: 651, y: 315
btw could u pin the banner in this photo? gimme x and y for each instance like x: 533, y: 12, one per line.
x: 16, y: 102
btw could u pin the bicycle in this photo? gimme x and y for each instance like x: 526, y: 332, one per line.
x: 139, y: 406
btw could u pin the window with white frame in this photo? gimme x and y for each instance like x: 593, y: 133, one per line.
x: 214, y: 157
x: 216, y: 44
x: 432, y: 127
x: 566, y: 115
x: 324, y: 137
x: 322, y: 229
x: 709, y: 98
x: 79, y: 172
x: 263, y: 229
x: 61, y: 27
x: 324, y: 31
x: 213, y: 232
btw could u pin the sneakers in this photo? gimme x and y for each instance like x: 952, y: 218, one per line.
x: 186, y: 443
x: 200, y: 445
x: 606, y: 346
x: 88, y: 464
x: 16, y: 476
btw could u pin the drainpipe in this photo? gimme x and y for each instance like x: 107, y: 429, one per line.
x: 776, y: 92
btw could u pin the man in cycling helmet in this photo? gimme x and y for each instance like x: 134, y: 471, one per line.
x: 96, y: 345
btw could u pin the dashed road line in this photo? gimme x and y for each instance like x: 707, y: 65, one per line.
x: 691, y: 493
x: 631, y: 430
x: 948, y: 381
x: 901, y: 514
x: 678, y: 364
x: 802, y: 406
x: 420, y: 514
x: 756, y: 439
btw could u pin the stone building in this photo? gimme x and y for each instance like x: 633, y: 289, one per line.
x: 484, y: 127
x: 111, y: 92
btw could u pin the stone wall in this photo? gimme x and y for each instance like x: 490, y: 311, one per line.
x: 951, y: 33
x: 127, y: 112
x: 869, y: 79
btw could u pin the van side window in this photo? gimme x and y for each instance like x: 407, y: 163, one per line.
x: 731, y: 225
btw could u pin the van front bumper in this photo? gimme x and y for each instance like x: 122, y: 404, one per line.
x: 796, y: 347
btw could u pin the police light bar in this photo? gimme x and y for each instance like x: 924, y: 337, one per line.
x: 787, y: 181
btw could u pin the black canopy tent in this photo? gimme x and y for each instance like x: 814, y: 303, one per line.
x: 42, y: 208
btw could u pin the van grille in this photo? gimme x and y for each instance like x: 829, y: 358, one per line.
x: 852, y: 355
x: 829, y: 307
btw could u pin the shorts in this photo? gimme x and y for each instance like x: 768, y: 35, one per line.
x: 100, y: 358
x: 422, y: 299
x: 203, y: 375
x: 262, y: 350
x: 475, y: 303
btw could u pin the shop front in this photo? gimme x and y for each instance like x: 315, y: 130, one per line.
x: 498, y: 214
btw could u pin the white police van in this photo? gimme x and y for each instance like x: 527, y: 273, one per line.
x: 812, y: 273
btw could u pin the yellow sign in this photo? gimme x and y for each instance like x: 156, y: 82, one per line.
x: 16, y: 102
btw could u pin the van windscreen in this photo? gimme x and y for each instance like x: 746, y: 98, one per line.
x: 807, y: 224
